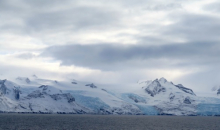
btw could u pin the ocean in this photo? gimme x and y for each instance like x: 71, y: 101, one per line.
x: 106, y: 122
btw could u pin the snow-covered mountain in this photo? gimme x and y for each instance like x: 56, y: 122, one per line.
x: 35, y: 95
x: 216, y: 90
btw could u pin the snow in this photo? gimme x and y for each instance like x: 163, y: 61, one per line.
x: 132, y: 98
x: 45, y: 95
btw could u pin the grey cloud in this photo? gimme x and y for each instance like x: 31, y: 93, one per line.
x: 108, y: 57
x: 13, y: 71
x: 8, y: 6
x: 48, y: 3
x: 132, y: 3
x: 149, y: 4
x: 27, y: 17
x: 73, y: 19
x: 26, y: 56
x: 202, y: 81
x: 194, y: 28
x: 214, y: 7
x: 43, y: 22
x: 43, y: 16
x: 162, y: 7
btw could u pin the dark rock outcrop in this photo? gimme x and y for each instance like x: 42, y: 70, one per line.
x: 17, y: 93
x: 187, y: 100
x: 155, y: 88
x: 187, y: 90
x: 3, y: 88
x: 36, y: 94
x: 91, y: 85
x: 134, y: 99
x: 35, y: 76
x: 30, y: 106
x: 74, y: 82
x: 171, y: 96
x: 56, y: 96
x: 45, y: 87
x: 218, y: 92
x: 68, y: 96
x: 27, y: 80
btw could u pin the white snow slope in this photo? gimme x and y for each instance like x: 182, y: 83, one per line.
x: 157, y: 97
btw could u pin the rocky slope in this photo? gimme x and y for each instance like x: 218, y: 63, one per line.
x: 216, y: 90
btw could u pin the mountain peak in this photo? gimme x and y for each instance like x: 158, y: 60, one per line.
x: 162, y: 80
x: 34, y: 76
x: 162, y: 85
x: 155, y: 88
x: 26, y: 79
x: 155, y: 81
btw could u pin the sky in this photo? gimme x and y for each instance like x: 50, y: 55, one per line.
x: 117, y: 41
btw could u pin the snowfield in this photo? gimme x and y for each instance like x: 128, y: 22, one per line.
x: 153, y: 97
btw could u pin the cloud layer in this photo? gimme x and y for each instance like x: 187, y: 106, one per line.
x: 112, y: 57
x: 116, y: 41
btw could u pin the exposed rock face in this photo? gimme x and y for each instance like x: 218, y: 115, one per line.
x: 216, y: 89
x: 74, y: 82
x: 45, y: 87
x: 163, y: 80
x: 155, y: 88
x: 68, y: 96
x: 35, y: 76
x: 39, y: 93
x: 187, y: 90
x: 17, y: 93
x: 218, y: 92
x: 27, y: 80
x: 3, y: 88
x: 104, y: 90
x: 91, y: 85
x: 58, y: 96
x: 171, y: 96
x: 30, y: 106
x: 36, y: 94
x: 134, y: 99
x: 187, y: 100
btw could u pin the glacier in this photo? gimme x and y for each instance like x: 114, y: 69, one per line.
x: 93, y: 103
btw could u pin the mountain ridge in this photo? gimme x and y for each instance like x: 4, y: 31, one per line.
x: 155, y: 97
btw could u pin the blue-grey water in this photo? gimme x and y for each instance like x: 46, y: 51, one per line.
x: 106, y: 122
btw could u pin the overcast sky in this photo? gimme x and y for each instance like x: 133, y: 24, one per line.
x: 117, y: 41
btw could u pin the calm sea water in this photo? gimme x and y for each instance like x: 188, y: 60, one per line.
x: 107, y: 122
